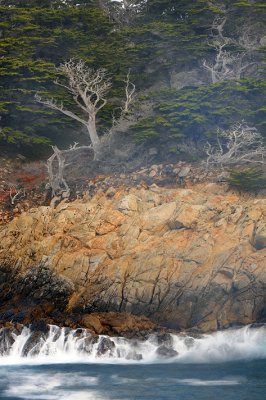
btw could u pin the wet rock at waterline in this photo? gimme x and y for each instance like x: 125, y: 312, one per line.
x: 118, y: 323
x: 105, y: 346
x: 67, y: 345
x: 185, y: 258
x: 33, y: 344
x: 6, y: 341
x: 166, y: 352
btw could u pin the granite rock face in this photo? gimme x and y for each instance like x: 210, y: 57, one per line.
x: 183, y: 257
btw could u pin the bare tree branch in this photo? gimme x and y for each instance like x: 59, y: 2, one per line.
x: 240, y: 144
x: 59, y: 107
x: 88, y: 88
x: 56, y: 165
x: 226, y: 65
x: 130, y: 93
x: 15, y: 194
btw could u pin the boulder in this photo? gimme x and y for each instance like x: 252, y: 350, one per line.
x: 128, y: 203
x: 33, y: 344
x: 153, y: 173
x: 166, y: 352
x: 93, y: 323
x: 106, y: 345
x: 39, y: 326
x: 6, y: 340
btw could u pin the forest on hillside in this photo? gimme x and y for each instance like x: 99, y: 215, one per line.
x: 194, y: 68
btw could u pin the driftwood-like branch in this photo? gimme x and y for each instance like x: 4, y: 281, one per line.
x: 238, y: 145
x: 15, y: 194
x: 56, y: 165
x: 56, y: 179
x: 124, y: 110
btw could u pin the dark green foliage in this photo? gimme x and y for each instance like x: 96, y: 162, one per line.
x: 164, y: 36
x: 247, y: 180
x: 196, y: 112
x: 33, y: 41
x: 38, y: 35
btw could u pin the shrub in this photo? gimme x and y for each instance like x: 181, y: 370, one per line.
x: 247, y: 180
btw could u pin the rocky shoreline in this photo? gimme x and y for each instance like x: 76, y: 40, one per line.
x: 42, y: 342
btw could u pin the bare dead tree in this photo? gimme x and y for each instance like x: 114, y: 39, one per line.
x: 226, y: 65
x: 57, y: 181
x: 130, y: 94
x: 56, y: 165
x: 88, y: 88
x: 237, y: 145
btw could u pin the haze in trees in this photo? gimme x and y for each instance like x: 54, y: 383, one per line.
x: 163, y: 43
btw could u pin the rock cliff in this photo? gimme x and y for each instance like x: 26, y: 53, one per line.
x: 184, y: 257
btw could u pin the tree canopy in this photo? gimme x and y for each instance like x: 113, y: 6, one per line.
x: 156, y: 39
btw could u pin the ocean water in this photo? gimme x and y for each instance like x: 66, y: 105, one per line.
x: 233, y: 380
x: 225, y: 365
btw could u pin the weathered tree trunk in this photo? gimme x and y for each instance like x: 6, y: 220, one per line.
x: 95, y: 140
x: 91, y: 127
x: 56, y: 165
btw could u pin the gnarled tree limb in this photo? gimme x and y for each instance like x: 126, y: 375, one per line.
x: 237, y: 145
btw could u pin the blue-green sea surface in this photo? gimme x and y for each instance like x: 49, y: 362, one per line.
x: 224, y: 381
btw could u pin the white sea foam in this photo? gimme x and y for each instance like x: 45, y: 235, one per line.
x: 49, y: 386
x: 56, y: 395
x: 24, y: 384
x: 222, y: 346
x: 62, y: 346
x: 123, y: 381
x: 201, y: 382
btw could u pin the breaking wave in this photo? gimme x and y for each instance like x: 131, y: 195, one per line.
x: 64, y: 345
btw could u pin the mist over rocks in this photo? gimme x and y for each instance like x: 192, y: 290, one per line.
x: 186, y: 258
